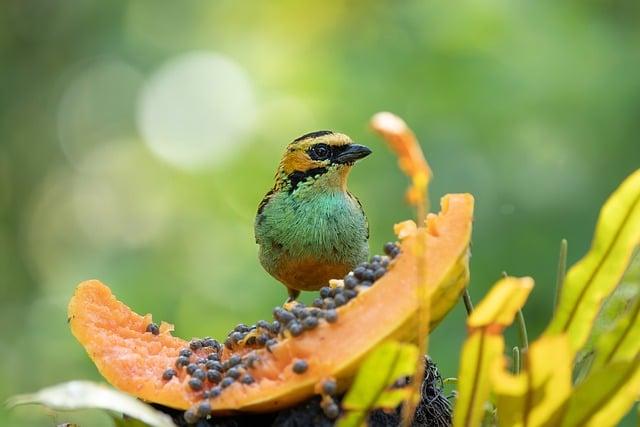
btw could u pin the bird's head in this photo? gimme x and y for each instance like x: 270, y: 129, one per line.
x: 323, y: 158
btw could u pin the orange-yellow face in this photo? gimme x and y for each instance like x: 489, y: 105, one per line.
x: 321, y: 150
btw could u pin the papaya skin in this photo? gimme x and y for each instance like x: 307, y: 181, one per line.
x: 133, y: 360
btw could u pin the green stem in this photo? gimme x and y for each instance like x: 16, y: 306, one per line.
x: 522, y: 332
x: 561, y: 273
x: 468, y: 304
x: 516, y: 360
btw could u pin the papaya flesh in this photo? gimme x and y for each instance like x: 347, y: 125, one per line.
x: 288, y: 369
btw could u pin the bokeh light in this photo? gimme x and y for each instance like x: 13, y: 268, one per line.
x: 197, y: 110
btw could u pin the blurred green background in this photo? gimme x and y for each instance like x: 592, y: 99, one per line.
x: 137, y: 138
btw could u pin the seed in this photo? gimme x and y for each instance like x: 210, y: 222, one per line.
x: 247, y: 379
x: 228, y: 343
x: 340, y: 300
x: 366, y: 283
x: 368, y: 275
x: 350, y: 293
x: 310, y: 322
x: 233, y: 373
x: 331, y: 411
x: 241, y: 327
x: 210, y: 342
x: 272, y: 342
x: 153, y: 328
x: 236, y: 336
x: 234, y: 360
x: 213, y: 356
x: 385, y: 262
x: 204, y: 409
x: 185, y: 352
x: 214, y: 364
x: 168, y: 374
x: 329, y: 303
x: 250, y: 360
x: 263, y: 324
x: 359, y: 272
x: 215, y: 391
x: 300, y: 366
x: 182, y: 361
x: 329, y: 387
x: 317, y: 302
x: 379, y: 273
x: 251, y: 340
x: 350, y: 281
x: 275, y: 327
x: 376, y: 258
x: 331, y: 316
x: 295, y: 328
x: 325, y: 291
x: 301, y: 314
x: 191, y: 416
x: 199, y: 374
x: 191, y: 368
x: 214, y: 376
x: 195, y: 345
x: 195, y: 384
x: 226, y: 382
x: 201, y: 360
x: 389, y: 248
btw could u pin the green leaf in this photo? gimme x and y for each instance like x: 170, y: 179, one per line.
x: 127, y: 422
x: 596, y: 275
x: 617, y: 330
x: 605, y: 396
x: 390, y: 361
x: 86, y: 395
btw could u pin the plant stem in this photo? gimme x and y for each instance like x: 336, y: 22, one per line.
x: 468, y: 304
x: 561, y: 273
x: 522, y: 332
x: 516, y: 360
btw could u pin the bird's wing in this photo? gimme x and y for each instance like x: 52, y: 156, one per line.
x: 366, y: 220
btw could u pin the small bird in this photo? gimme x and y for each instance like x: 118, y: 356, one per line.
x: 309, y: 227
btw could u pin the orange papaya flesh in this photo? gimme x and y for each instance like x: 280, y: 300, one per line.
x: 288, y: 369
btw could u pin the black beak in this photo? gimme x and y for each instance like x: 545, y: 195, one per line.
x: 351, y: 153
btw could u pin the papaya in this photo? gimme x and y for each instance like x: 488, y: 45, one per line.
x: 272, y: 365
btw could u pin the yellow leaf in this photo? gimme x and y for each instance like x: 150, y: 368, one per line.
x: 485, y: 345
x: 501, y: 303
x: 596, y: 275
x: 534, y: 397
x: 605, y: 396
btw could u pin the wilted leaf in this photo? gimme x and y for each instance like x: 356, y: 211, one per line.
x: 485, y: 345
x: 86, y: 395
x: 390, y: 361
x: 534, y: 397
x: 605, y: 396
x: 596, y: 275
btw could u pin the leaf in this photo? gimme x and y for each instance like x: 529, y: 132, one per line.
x: 485, y: 345
x: 390, y: 361
x: 617, y: 330
x: 605, y: 396
x: 86, y: 394
x: 534, y: 397
x: 596, y: 275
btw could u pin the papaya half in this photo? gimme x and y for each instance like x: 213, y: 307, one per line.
x: 272, y: 365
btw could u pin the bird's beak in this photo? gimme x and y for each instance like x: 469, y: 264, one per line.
x: 351, y: 153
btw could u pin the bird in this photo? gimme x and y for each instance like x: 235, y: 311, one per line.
x: 309, y: 227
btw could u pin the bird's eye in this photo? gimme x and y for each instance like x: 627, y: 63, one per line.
x: 320, y: 152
